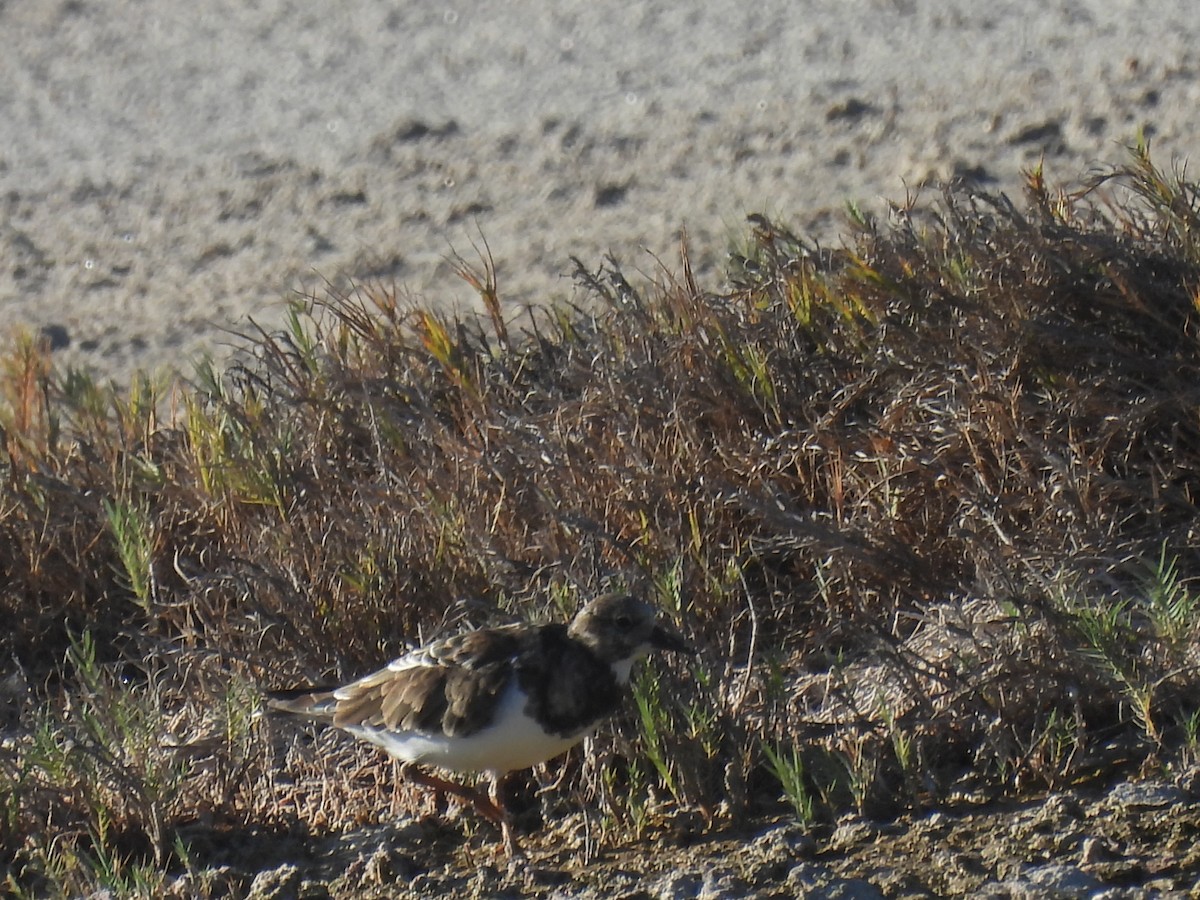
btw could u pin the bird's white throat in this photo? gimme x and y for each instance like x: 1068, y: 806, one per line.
x: 622, y: 668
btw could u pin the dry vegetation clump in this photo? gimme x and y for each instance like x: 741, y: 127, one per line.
x: 928, y: 501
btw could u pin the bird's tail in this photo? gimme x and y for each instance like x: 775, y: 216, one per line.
x: 308, y: 702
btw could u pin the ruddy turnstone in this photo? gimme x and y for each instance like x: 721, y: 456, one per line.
x: 495, y: 700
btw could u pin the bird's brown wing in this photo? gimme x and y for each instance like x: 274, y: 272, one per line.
x: 449, y: 687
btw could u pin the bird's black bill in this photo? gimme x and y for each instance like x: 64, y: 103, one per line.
x: 668, y: 639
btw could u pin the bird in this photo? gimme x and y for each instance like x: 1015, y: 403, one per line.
x: 494, y: 700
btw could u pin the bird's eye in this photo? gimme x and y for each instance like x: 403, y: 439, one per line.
x: 624, y: 621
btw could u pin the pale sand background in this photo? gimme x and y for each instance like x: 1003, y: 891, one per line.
x: 168, y: 168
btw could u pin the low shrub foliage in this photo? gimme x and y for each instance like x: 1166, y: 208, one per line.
x: 927, y: 501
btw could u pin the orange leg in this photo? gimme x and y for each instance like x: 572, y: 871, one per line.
x: 491, y: 808
x: 506, y: 830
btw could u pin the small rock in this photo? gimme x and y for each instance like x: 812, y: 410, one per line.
x: 1145, y: 795
x: 1092, y: 851
x: 1042, y: 133
x: 56, y: 336
x: 711, y: 884
x: 678, y: 886
x: 545, y: 877
x: 814, y: 879
x: 411, y: 130
x: 809, y: 875
x: 851, y: 108
x: 1058, y: 810
x: 1057, y: 880
x: 972, y: 172
x: 783, y: 842
x: 609, y: 195
x: 282, y: 883
x: 1188, y: 781
x: 770, y: 855
x: 850, y: 831
x: 722, y: 884
x: 853, y: 889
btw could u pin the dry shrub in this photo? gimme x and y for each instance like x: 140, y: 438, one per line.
x: 902, y: 492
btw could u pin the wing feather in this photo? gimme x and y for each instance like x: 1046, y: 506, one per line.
x: 449, y: 687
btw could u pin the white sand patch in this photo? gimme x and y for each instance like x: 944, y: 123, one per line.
x: 167, y: 169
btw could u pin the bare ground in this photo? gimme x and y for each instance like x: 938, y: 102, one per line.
x: 1131, y: 838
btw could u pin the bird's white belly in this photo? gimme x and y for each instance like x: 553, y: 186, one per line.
x: 512, y: 741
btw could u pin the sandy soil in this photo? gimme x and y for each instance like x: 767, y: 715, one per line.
x: 168, y: 169
x: 1132, y: 840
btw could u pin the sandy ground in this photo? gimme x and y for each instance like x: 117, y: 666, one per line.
x: 168, y: 169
